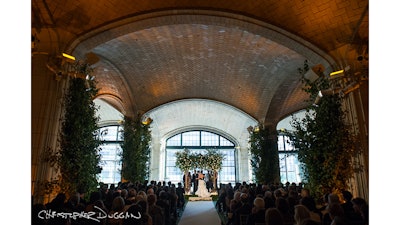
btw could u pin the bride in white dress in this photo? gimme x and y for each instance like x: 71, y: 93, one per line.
x: 202, y: 190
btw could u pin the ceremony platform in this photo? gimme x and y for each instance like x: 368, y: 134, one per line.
x: 200, y: 198
x: 196, y: 198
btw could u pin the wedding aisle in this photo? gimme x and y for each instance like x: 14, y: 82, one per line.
x: 200, y: 213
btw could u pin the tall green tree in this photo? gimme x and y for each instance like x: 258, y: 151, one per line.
x: 135, y: 149
x: 323, y: 139
x: 264, y: 155
x: 214, y: 163
x: 79, y: 157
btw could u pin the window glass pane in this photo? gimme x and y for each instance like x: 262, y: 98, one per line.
x: 109, y: 133
x: 110, y: 173
x: 288, y: 144
x: 289, y: 168
x: 110, y: 154
x: 281, y: 144
x: 120, y: 134
x: 225, y: 142
x: 209, y: 139
x: 174, y: 141
x: 191, y: 138
x: 284, y: 143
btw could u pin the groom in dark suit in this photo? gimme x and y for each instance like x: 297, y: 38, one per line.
x: 195, y: 181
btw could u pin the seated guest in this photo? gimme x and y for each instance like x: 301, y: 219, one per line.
x: 273, y: 217
x: 258, y: 212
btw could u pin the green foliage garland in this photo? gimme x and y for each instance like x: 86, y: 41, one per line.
x: 184, y: 160
x: 135, y: 150
x: 324, y: 142
x: 212, y: 161
x: 265, y: 157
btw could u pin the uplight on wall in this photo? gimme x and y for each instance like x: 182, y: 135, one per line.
x: 338, y: 73
x: 318, y: 98
x: 69, y: 56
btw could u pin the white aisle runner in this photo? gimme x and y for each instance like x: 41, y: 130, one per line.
x: 200, y: 213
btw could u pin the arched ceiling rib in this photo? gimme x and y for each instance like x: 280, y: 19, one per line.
x: 208, y: 57
x: 239, y: 53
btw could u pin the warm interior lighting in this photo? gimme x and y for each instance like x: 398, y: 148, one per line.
x: 256, y: 129
x: 336, y: 72
x: 318, y: 98
x: 68, y: 56
x: 147, y: 121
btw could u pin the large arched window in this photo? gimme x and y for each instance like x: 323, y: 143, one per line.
x: 288, y: 162
x: 198, y: 142
x: 110, y: 160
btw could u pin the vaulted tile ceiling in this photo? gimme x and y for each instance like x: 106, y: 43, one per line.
x: 242, y: 53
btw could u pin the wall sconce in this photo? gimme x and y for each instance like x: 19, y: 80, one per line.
x: 251, y: 129
x: 147, y: 120
x: 256, y: 129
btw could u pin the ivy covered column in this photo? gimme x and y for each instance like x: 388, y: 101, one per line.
x: 264, y: 154
x: 135, y: 149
